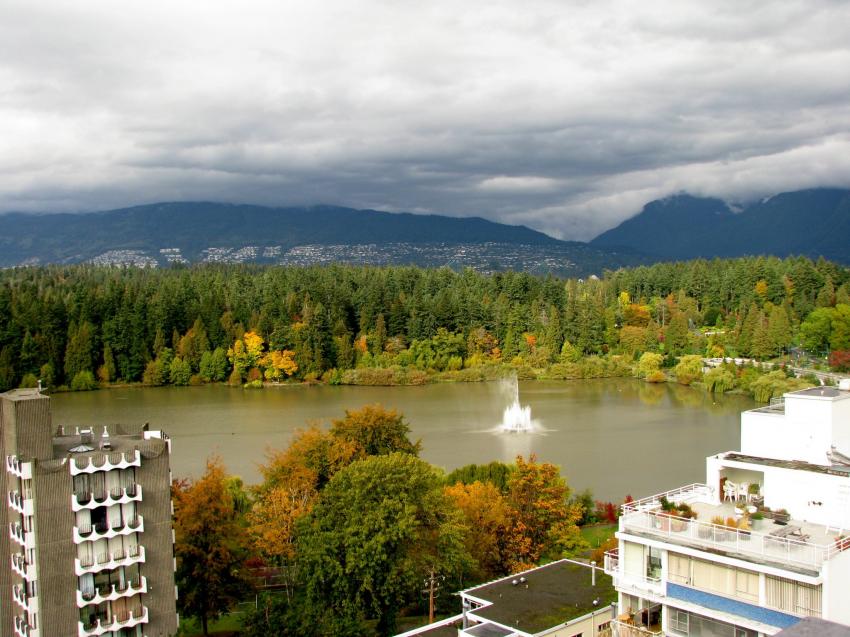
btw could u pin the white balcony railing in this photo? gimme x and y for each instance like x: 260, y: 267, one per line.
x: 22, y: 628
x: 21, y: 469
x: 646, y: 516
x: 24, y: 538
x: 106, y: 462
x: 119, y: 495
x: 622, y: 629
x: 103, y: 531
x: 109, y: 561
x: 22, y: 567
x: 111, y: 593
x: 22, y: 505
x: 126, y: 619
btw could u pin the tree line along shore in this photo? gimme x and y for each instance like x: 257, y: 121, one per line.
x: 83, y: 327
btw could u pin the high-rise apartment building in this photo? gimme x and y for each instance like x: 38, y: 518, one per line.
x: 762, y: 544
x: 89, y: 549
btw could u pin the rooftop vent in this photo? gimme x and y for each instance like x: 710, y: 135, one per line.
x: 81, y: 449
x: 86, y: 436
x: 844, y: 384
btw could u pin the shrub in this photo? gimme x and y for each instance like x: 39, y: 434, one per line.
x: 839, y: 360
x: 235, y: 378
x: 656, y: 377
x: 649, y: 363
x: 253, y: 384
x: 688, y: 370
x: 719, y: 380
x: 29, y: 380
x: 83, y: 381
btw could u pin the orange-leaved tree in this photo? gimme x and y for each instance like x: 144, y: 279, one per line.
x: 544, y: 521
x: 209, y: 545
x: 488, y: 518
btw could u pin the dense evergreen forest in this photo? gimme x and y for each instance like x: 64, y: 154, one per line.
x: 80, y: 326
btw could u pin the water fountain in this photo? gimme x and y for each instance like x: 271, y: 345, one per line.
x: 516, y: 418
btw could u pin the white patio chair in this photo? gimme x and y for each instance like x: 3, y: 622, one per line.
x: 743, y: 491
x: 730, y: 490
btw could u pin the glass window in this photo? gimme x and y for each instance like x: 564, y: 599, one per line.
x: 653, y: 563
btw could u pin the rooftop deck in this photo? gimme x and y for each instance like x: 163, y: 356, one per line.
x: 798, y: 545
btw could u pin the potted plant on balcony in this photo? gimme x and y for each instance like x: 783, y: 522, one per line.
x: 781, y: 516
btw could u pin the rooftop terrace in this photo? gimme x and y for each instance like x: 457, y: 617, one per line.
x: 797, y: 545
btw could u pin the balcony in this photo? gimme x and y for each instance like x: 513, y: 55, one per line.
x: 102, y: 530
x: 106, y: 462
x: 22, y: 628
x: 24, y: 538
x: 21, y: 469
x: 93, y: 499
x: 19, y: 595
x: 640, y: 583
x: 645, y: 517
x: 111, y: 593
x: 127, y: 619
x: 22, y: 505
x: 22, y: 567
x: 109, y: 561
x: 623, y: 629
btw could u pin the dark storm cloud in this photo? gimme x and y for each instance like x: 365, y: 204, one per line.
x: 564, y: 116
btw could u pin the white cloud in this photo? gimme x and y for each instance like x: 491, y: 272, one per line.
x: 564, y: 116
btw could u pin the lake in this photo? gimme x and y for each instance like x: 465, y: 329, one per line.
x: 616, y: 436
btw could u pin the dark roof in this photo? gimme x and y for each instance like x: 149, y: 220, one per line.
x: 551, y: 595
x: 812, y: 627
x: 787, y: 464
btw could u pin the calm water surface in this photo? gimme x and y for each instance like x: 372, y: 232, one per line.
x: 615, y: 436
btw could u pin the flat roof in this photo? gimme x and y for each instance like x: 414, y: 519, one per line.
x: 786, y: 464
x: 814, y: 627
x: 550, y: 595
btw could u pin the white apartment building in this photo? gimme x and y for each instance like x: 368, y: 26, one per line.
x: 757, y: 547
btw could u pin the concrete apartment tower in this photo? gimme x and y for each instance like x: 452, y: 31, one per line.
x: 89, y: 549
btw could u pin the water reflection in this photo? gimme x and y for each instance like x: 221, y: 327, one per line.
x: 605, y: 434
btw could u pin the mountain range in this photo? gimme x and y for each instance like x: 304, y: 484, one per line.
x: 163, y: 233
x: 813, y: 222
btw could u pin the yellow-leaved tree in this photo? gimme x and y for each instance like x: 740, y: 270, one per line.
x: 279, y: 364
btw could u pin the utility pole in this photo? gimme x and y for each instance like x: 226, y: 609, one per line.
x: 432, y: 590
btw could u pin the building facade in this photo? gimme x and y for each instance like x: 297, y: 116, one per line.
x: 760, y: 545
x: 89, y: 549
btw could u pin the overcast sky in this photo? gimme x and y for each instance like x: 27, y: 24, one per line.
x: 564, y: 116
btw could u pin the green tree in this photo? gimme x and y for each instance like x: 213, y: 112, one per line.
x: 209, y: 545
x: 377, y: 528
x: 375, y: 430
x: 79, y: 353
x: 815, y: 331
x: 179, y: 372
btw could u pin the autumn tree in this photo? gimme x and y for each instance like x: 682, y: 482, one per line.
x: 246, y: 352
x: 377, y: 528
x: 488, y: 518
x: 375, y: 431
x: 544, y: 521
x: 279, y: 364
x: 209, y: 545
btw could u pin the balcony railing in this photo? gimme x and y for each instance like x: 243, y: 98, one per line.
x: 108, y: 561
x: 21, y: 469
x: 20, y: 504
x: 102, y: 530
x: 112, y: 592
x: 622, y: 629
x: 106, y: 461
x: 118, y: 495
x: 646, y: 516
x: 125, y: 619
x: 22, y: 567
x: 22, y: 628
x: 24, y: 538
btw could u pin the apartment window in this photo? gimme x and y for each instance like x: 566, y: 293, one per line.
x: 603, y: 627
x: 679, y: 568
x: 653, y: 563
x: 794, y: 597
x: 679, y: 621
